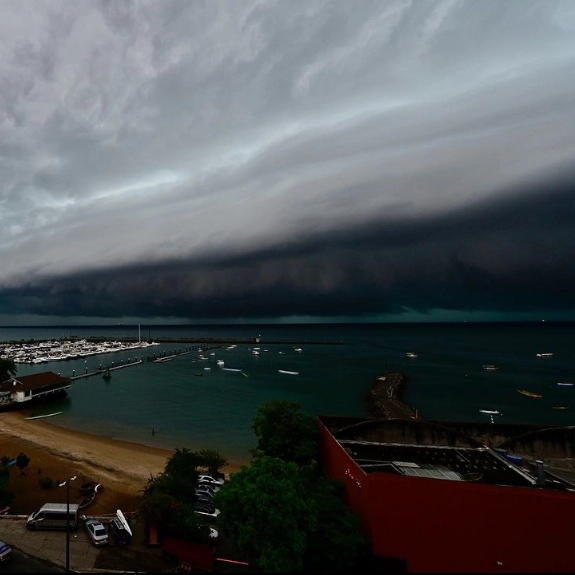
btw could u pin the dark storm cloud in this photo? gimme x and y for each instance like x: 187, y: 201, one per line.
x: 499, y: 255
x: 246, y: 160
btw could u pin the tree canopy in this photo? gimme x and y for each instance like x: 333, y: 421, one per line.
x: 289, y: 519
x: 8, y: 368
x: 168, y: 500
x: 285, y: 432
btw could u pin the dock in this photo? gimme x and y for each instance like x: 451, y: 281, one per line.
x: 384, y: 399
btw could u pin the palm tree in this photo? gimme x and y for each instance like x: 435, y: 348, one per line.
x: 8, y: 368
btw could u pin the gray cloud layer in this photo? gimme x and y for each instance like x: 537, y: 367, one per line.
x: 252, y: 160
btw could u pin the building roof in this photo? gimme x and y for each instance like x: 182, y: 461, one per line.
x: 34, y: 381
x: 425, y: 449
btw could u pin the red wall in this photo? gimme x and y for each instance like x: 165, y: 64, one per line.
x: 199, y: 555
x: 452, y: 526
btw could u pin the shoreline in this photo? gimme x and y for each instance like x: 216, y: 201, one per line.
x: 57, y: 440
x: 57, y: 452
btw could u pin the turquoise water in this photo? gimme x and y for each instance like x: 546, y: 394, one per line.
x: 445, y: 382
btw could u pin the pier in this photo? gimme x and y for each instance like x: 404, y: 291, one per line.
x: 385, y: 397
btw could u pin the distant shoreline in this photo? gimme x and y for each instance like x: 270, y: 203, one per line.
x: 191, y: 340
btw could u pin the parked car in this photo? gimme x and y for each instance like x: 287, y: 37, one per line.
x: 206, y: 488
x: 119, y: 533
x: 208, y: 510
x: 5, y: 552
x: 203, y: 496
x: 210, y: 479
x: 96, y: 532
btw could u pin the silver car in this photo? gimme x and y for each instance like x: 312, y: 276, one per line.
x: 96, y: 532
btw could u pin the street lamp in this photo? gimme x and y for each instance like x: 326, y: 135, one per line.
x: 67, y: 484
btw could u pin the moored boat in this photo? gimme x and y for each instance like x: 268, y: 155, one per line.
x: 411, y: 354
x: 288, y: 372
x: 529, y: 393
x: 490, y: 367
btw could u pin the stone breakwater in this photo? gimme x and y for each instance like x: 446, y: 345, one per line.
x: 384, y: 399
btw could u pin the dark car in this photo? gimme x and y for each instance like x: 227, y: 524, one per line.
x: 206, y: 488
x: 96, y: 532
x: 203, y: 497
x: 120, y: 534
x: 5, y: 552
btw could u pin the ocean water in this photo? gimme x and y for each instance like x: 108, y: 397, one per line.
x: 167, y: 405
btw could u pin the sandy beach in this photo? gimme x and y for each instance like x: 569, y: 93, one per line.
x: 122, y: 468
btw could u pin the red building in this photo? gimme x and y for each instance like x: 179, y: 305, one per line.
x: 433, y: 500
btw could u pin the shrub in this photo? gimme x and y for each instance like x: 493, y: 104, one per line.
x: 46, y: 482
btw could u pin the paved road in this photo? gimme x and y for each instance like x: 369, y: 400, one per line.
x: 24, y: 563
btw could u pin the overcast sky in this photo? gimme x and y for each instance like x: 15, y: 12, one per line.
x: 188, y: 160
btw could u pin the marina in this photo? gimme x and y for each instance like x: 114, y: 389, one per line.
x: 446, y: 381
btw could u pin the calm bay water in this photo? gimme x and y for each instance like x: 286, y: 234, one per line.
x: 445, y: 382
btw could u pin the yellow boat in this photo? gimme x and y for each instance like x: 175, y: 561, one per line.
x: 529, y: 393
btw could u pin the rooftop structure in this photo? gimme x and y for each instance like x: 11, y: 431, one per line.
x: 18, y: 391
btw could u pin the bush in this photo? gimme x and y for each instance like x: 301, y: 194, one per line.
x: 46, y: 482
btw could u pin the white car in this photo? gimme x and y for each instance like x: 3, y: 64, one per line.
x: 209, y: 480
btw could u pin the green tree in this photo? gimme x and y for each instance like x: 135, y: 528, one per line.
x: 336, y: 543
x: 284, y: 431
x: 180, y: 486
x: 159, y: 509
x: 8, y: 368
x: 22, y: 461
x: 183, y: 463
x: 212, y: 460
x: 289, y: 519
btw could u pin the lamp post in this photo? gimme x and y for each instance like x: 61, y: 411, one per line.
x: 67, y: 484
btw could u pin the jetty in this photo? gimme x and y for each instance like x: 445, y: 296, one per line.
x: 384, y: 398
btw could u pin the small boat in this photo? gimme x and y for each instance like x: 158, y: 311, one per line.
x: 199, y: 373
x: 231, y: 369
x: 490, y: 367
x: 107, y: 375
x: 298, y: 349
x: 565, y: 384
x: 288, y: 372
x: 44, y: 415
x: 123, y: 521
x: 490, y: 411
x: 529, y: 393
x: 245, y: 374
x: 560, y: 407
x: 220, y: 362
x: 411, y: 354
x: 544, y: 354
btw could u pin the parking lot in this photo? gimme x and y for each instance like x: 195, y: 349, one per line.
x: 83, y: 556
